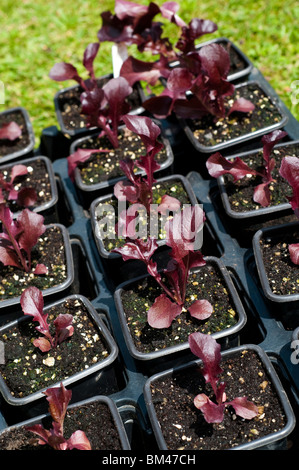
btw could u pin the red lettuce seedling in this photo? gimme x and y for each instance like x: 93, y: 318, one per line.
x: 198, y: 87
x: 137, y: 188
x: 133, y: 24
x: 24, y: 197
x: 19, y: 237
x: 63, y: 71
x: 32, y: 303
x: 181, y: 231
x: 59, y: 399
x: 217, y: 165
x: 208, y: 350
x: 10, y: 131
x: 289, y: 170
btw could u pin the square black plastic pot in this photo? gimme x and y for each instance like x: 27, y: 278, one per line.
x: 227, y: 337
x: 105, y: 200
x: 53, y: 291
x: 245, y: 137
x: 90, y: 191
x: 285, y: 305
x: 48, y: 208
x: 273, y: 441
x: 26, y: 150
x: 236, y: 56
x: 78, y: 376
x: 60, y: 97
x: 124, y: 441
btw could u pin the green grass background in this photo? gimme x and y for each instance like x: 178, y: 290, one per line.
x: 35, y: 34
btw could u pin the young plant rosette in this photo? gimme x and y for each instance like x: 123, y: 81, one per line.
x: 65, y: 341
x: 186, y: 415
x: 24, y: 241
x: 91, y: 424
x: 177, y: 292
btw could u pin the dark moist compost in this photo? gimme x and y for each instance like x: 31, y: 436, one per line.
x: 103, y: 166
x: 69, y: 105
x: 206, y: 283
x: 240, y: 193
x: 50, y: 251
x: 94, y: 419
x: 209, y: 131
x: 27, y: 369
x: 37, y: 178
x: 183, y: 425
x: 282, y: 273
x: 174, y: 188
x: 11, y: 146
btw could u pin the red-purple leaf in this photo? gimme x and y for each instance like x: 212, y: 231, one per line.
x: 194, y: 30
x: 41, y: 269
x: 10, y: 131
x: 162, y: 313
x: 201, y: 309
x: 78, y: 440
x: 139, y: 249
x: 64, y: 71
x: 289, y: 170
x: 208, y: 350
x: 168, y: 10
x: 43, y: 344
x: 79, y: 156
x: 32, y: 225
x: 217, y: 165
x: 63, y: 326
x: 145, y: 128
x: 262, y: 194
x: 32, y: 304
x: 7, y: 256
x: 124, y: 190
x: 241, y: 105
x: 90, y: 54
x: 213, y: 412
x: 168, y: 204
x: 135, y: 70
x: 26, y: 197
x: 294, y: 252
x: 244, y: 408
x: 18, y: 170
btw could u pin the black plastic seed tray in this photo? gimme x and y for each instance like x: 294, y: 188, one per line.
x: 124, y: 382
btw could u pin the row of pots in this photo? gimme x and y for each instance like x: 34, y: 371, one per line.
x: 227, y: 255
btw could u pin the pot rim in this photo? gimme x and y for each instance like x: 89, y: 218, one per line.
x: 235, y: 75
x: 102, y: 398
x: 245, y: 137
x: 112, y: 181
x: 69, y: 265
x: 263, y: 441
x: 182, y: 346
x: 261, y: 267
x: 262, y: 210
x: 77, y: 132
x: 54, y: 191
x: 100, y: 325
x: 29, y: 148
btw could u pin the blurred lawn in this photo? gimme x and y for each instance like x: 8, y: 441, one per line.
x: 36, y: 34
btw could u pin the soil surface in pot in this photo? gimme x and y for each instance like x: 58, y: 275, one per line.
x: 27, y: 369
x: 183, y: 425
x: 69, y: 105
x: 210, y: 132
x: 206, y: 283
x: 49, y: 250
x: 282, y: 273
x: 240, y: 193
x: 36, y: 178
x: 11, y: 146
x: 104, y: 166
x: 94, y: 419
x: 172, y: 187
